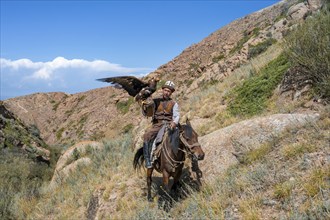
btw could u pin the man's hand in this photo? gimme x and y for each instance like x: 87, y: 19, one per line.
x: 172, y: 125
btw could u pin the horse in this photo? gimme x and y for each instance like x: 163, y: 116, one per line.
x: 170, y: 162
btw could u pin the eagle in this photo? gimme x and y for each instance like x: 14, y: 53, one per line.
x: 135, y: 87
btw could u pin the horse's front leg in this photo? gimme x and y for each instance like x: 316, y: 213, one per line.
x: 149, y: 175
x: 166, y: 179
x: 176, y: 179
x: 167, y: 202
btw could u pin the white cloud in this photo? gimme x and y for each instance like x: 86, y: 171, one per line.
x: 23, y: 76
x: 21, y: 63
x: 45, y: 70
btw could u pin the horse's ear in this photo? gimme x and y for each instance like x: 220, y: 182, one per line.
x: 188, y: 122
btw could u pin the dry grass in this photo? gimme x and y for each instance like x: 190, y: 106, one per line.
x: 276, y: 178
x: 317, y: 181
x: 210, y: 103
x: 271, y: 182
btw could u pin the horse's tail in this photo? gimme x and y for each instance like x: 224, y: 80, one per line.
x: 138, y: 159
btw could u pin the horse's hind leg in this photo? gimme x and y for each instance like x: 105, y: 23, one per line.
x: 149, y: 175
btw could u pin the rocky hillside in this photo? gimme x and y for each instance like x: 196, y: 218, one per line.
x: 264, y: 132
x: 64, y: 118
x: 219, y: 54
x: 16, y: 137
x: 107, y: 112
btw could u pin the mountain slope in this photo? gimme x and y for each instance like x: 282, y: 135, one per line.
x: 63, y: 118
x: 16, y: 137
x: 269, y: 163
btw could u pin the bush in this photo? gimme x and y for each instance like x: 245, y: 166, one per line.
x: 260, y: 48
x: 246, y: 38
x: 127, y: 128
x: 308, y: 46
x: 218, y: 58
x: 123, y: 106
x: 250, y: 98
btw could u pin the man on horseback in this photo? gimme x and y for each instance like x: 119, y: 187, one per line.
x: 164, y: 112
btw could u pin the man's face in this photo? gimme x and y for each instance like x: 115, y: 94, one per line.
x: 167, y: 93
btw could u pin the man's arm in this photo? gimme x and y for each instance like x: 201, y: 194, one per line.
x: 176, y: 115
x: 148, y: 107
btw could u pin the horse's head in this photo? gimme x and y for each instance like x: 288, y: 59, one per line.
x: 189, y: 139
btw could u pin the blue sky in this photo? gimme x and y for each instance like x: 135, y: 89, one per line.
x: 63, y: 46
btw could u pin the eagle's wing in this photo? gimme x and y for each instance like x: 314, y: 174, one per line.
x: 131, y: 84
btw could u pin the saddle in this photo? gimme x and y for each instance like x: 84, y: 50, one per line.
x: 157, y: 146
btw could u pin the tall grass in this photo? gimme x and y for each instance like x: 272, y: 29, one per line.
x: 72, y: 196
x: 20, y: 178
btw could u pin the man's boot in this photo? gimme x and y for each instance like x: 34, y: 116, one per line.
x: 146, y: 154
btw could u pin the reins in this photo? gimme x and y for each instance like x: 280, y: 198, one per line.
x: 185, y: 142
x: 175, y: 163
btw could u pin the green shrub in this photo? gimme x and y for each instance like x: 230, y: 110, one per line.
x: 55, y: 105
x: 256, y: 154
x: 246, y: 37
x: 127, y: 128
x: 123, y: 106
x: 297, y: 149
x: 218, y: 58
x: 160, y: 84
x: 260, y: 48
x: 240, y: 44
x: 308, y: 46
x: 250, y: 98
x: 59, y: 133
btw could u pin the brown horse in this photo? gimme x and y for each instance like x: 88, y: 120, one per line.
x: 170, y: 162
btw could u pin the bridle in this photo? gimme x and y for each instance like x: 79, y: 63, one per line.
x: 186, y: 144
x: 187, y: 150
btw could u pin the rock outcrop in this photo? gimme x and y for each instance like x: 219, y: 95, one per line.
x: 71, y: 159
x: 223, y: 147
x: 15, y: 136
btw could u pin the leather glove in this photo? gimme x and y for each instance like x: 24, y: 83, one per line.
x: 172, y: 125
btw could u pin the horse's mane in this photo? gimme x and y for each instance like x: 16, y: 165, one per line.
x: 174, y: 139
x: 188, y: 131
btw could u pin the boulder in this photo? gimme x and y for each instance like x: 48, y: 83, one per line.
x: 221, y: 145
x: 314, y: 4
x: 68, y: 162
x: 298, y: 11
